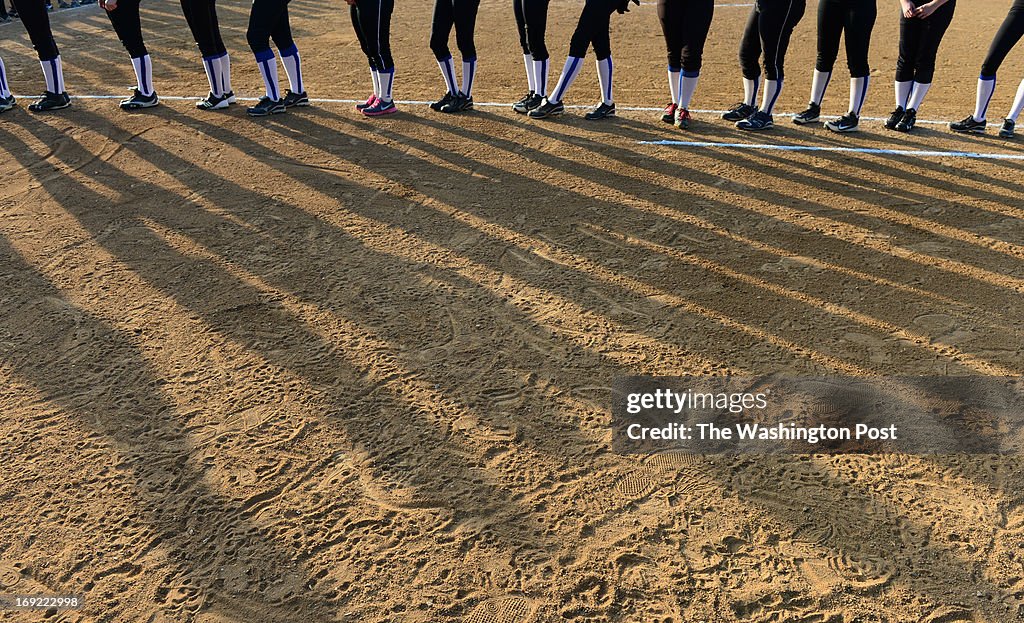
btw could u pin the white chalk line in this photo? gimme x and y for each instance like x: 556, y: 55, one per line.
x: 919, y: 153
x: 185, y: 98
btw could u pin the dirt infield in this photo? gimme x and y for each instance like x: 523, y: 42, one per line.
x: 323, y: 368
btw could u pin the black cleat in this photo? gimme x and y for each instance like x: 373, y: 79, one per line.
x: 441, y: 103
x: 547, y: 109
x: 845, y: 124
x: 459, y: 103
x: 7, y: 103
x: 213, y: 102
x: 757, y: 122
x: 601, y: 112
x: 968, y: 125
x: 520, y: 106
x: 894, y: 118
x: 811, y: 115
x: 295, y: 100
x: 266, y: 106
x: 1007, y: 131
x: 138, y: 101
x: 739, y: 112
x: 51, y: 101
x: 908, y: 121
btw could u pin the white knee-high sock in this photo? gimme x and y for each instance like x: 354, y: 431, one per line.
x: 673, y: 83
x: 293, y: 67
x: 468, y: 76
x: 531, y: 78
x: 448, y: 73
x: 53, y: 73
x: 1018, y: 103
x: 144, y: 74
x: 212, y: 66
x: 986, y: 87
x: 5, y: 87
x: 605, y: 71
x: 540, y: 78
x: 267, y: 62
x: 375, y: 77
x: 687, y: 87
x: 903, y: 91
x: 573, y: 64
x: 920, y: 90
x: 224, y: 71
x: 772, y: 89
x: 819, y: 84
x: 858, y: 93
x: 750, y: 89
x: 387, y: 83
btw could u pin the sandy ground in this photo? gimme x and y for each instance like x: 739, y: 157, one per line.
x: 321, y: 368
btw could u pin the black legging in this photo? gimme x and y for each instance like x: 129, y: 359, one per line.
x: 268, y: 19
x: 532, y: 21
x: 855, y: 18
x: 919, y: 43
x: 685, y: 24
x: 37, y: 23
x: 594, y: 29
x: 1009, y: 34
x: 768, y: 30
x: 462, y: 15
x: 201, y: 16
x: 372, y: 22
x: 128, y: 26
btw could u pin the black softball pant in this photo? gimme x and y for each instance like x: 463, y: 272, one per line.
x: 768, y: 31
x: 37, y: 23
x: 462, y: 15
x: 372, y: 22
x: 1009, y: 34
x: 853, y: 20
x: 594, y: 29
x: 201, y: 16
x: 532, y: 21
x: 919, y: 43
x: 268, y: 19
x: 128, y: 26
x: 685, y: 24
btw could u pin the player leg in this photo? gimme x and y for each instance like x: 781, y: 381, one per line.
x: 672, y: 18
x: 440, y: 30
x: 831, y: 19
x: 536, y: 14
x: 357, y: 27
x: 128, y: 26
x: 1010, y: 32
x: 776, y: 26
x: 911, y: 36
x: 465, y: 39
x: 578, y: 45
x: 376, y: 23
x: 695, y: 34
x: 518, y: 10
x: 7, y: 100
x: 860, y: 21
x: 37, y: 23
x: 281, y: 35
x: 601, y: 39
x: 927, y: 51
x: 750, y: 65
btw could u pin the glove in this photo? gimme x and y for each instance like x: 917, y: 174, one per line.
x: 624, y: 5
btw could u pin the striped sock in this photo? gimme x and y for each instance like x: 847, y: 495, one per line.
x: 687, y: 87
x: 605, y: 71
x: 267, y: 62
x: 5, y: 88
x: 448, y: 73
x: 375, y: 77
x: 903, y: 91
x: 1018, y: 102
x: 573, y: 64
x: 53, y: 73
x: 224, y: 72
x: 673, y: 82
x: 917, y: 97
x: 144, y: 74
x: 212, y: 66
x: 531, y: 79
x: 772, y: 88
x: 468, y: 75
x: 858, y: 93
x: 540, y: 78
x: 750, y: 89
x: 819, y: 84
x: 387, y: 83
x: 986, y: 87
x: 293, y: 67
